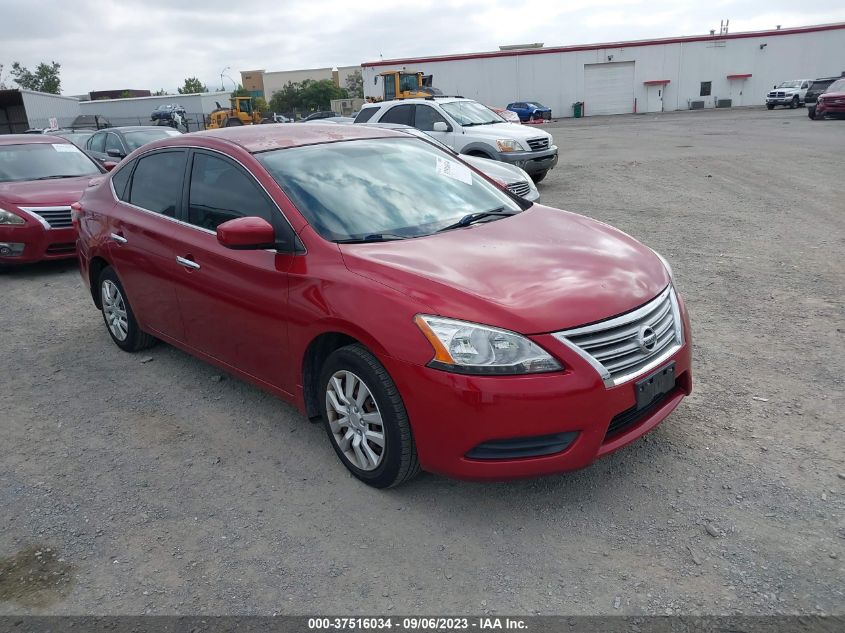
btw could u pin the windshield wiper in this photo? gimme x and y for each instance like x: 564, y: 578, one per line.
x: 373, y: 237
x: 59, y: 176
x: 471, y: 218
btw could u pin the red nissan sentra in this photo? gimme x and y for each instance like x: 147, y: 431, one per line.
x: 40, y: 177
x: 431, y: 320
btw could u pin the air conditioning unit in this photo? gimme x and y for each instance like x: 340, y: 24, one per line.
x: 723, y: 103
x: 696, y: 105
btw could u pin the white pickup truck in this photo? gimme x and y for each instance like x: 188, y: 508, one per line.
x: 788, y: 93
x: 471, y: 128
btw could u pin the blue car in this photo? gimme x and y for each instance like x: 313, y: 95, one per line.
x: 530, y: 110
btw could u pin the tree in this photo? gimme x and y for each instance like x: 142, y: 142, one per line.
x: 355, y: 84
x: 161, y: 93
x: 240, y: 91
x: 260, y: 104
x: 125, y: 94
x: 44, y: 79
x: 192, y: 86
x: 317, y: 95
x: 288, y: 99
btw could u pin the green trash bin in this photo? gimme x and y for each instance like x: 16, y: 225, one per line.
x: 578, y: 109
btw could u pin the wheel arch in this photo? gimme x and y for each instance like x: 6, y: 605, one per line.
x: 95, y: 268
x: 332, y: 337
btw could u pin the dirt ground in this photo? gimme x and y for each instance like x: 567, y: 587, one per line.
x: 163, y: 487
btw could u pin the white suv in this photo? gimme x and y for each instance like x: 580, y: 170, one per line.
x: 788, y: 93
x: 470, y: 128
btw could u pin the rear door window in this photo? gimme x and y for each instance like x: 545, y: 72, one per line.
x: 97, y: 143
x: 120, y: 179
x: 399, y: 114
x: 157, y: 182
x: 365, y: 115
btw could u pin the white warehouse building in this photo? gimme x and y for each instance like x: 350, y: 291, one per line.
x: 703, y: 71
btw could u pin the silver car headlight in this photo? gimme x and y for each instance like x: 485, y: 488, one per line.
x: 508, y: 145
x: 470, y: 348
x: 7, y: 217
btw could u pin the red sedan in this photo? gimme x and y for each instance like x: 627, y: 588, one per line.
x: 40, y: 177
x: 430, y: 319
x: 831, y: 102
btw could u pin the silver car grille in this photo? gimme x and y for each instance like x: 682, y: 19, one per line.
x: 51, y: 217
x: 537, y: 144
x: 520, y: 188
x: 626, y: 346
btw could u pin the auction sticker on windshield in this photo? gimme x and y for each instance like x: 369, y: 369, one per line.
x: 454, y: 170
x: 64, y: 147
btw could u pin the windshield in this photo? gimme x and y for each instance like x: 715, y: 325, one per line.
x: 134, y: 140
x: 837, y: 86
x: 537, y: 104
x: 471, y: 113
x: 790, y: 84
x: 39, y: 161
x: 387, y: 187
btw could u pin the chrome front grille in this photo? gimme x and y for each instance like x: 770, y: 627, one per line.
x: 519, y: 188
x: 52, y: 217
x: 537, y: 144
x: 631, y: 344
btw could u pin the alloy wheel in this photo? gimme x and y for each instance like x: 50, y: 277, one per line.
x: 355, y: 420
x: 114, y: 309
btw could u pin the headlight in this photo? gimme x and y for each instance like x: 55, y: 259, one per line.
x: 508, y: 145
x: 469, y: 348
x: 666, y: 265
x: 7, y: 217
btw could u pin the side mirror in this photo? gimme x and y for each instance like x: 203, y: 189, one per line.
x: 115, y: 153
x: 249, y: 233
x: 775, y: 86
x: 440, y: 126
x: 108, y: 165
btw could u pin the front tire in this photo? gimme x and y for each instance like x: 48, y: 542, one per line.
x: 538, y: 177
x: 794, y: 103
x: 365, y: 418
x: 770, y: 106
x: 811, y: 112
x: 118, y: 316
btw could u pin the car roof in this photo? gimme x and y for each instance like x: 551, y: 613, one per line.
x: 131, y: 128
x: 270, y: 136
x: 435, y: 99
x: 28, y: 139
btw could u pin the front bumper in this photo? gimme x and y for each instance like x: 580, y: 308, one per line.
x: 780, y: 100
x: 39, y: 243
x: 531, y: 162
x: 825, y: 108
x: 453, y: 414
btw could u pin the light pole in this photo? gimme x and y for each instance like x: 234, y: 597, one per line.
x: 222, y: 73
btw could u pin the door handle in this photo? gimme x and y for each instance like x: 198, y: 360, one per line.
x: 187, y: 263
x: 118, y: 238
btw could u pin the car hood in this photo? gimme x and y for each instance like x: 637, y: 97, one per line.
x: 507, y: 130
x: 539, y: 271
x: 62, y: 191
x: 833, y: 95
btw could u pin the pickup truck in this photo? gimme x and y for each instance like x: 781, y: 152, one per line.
x: 471, y: 128
x: 788, y: 93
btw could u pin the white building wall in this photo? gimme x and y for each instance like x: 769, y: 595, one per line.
x: 41, y: 107
x: 136, y: 110
x: 557, y: 78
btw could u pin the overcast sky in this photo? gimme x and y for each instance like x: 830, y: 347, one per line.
x: 152, y: 44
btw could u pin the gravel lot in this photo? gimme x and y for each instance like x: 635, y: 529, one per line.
x: 164, y: 487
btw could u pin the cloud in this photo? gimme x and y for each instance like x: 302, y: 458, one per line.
x: 114, y: 44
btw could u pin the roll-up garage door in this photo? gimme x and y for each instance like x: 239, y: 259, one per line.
x: 609, y: 88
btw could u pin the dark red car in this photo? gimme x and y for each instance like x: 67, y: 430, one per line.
x: 831, y: 102
x: 431, y: 319
x: 40, y: 177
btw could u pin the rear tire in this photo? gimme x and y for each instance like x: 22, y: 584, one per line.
x: 538, y: 177
x: 370, y: 412
x: 118, y: 316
